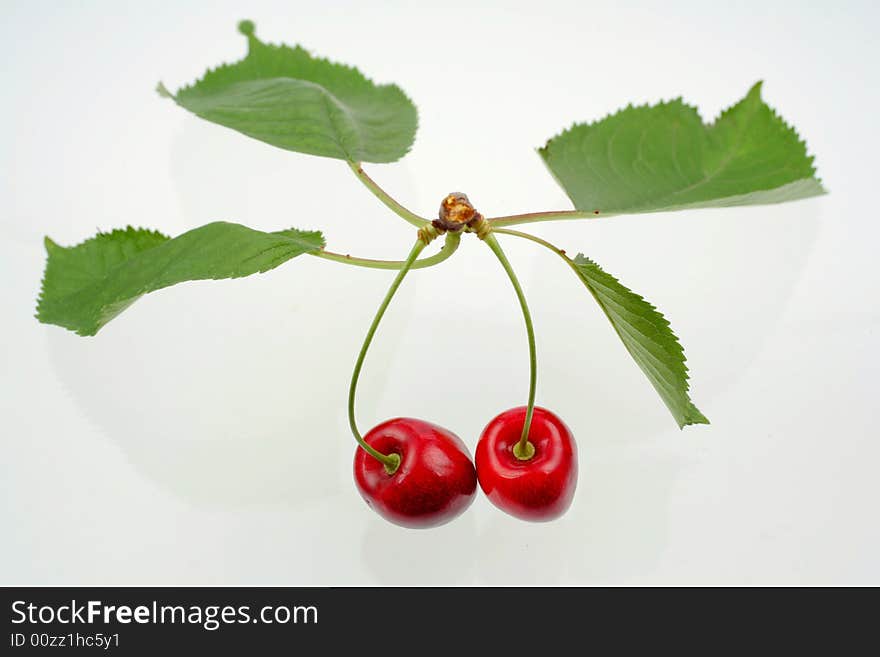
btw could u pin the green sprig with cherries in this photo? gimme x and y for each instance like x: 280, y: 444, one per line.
x: 647, y: 158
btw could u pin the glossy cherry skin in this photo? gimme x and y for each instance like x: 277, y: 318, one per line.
x: 540, y: 488
x: 434, y: 483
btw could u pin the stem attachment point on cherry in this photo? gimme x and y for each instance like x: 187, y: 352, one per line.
x: 392, y: 464
x: 524, y: 451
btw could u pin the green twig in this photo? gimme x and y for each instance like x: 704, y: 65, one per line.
x: 536, y: 240
x: 383, y: 196
x: 534, y: 217
x: 445, y: 252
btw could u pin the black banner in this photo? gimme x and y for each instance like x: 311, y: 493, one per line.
x: 251, y: 620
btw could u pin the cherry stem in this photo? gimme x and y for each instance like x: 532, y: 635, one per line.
x: 523, y: 450
x: 538, y: 240
x: 446, y: 251
x: 390, y: 461
x: 500, y: 221
x: 534, y: 217
x: 386, y: 198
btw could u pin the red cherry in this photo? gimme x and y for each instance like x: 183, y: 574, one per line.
x: 434, y: 483
x: 540, y: 488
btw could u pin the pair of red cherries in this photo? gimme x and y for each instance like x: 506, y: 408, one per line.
x: 436, y: 480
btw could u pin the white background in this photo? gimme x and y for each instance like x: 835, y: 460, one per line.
x: 201, y: 437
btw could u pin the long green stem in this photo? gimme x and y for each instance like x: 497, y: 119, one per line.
x: 535, y: 239
x: 452, y: 241
x: 534, y: 217
x: 390, y: 461
x: 538, y: 240
x: 523, y: 450
x: 383, y: 196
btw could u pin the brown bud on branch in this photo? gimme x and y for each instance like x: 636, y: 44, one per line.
x: 456, y: 213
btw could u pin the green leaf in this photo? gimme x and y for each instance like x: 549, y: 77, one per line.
x: 647, y: 336
x: 285, y: 97
x: 87, y: 285
x: 663, y: 157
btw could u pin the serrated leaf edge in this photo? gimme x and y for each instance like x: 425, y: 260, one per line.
x: 52, y: 246
x: 692, y: 415
x: 251, y: 37
x: 754, y: 89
